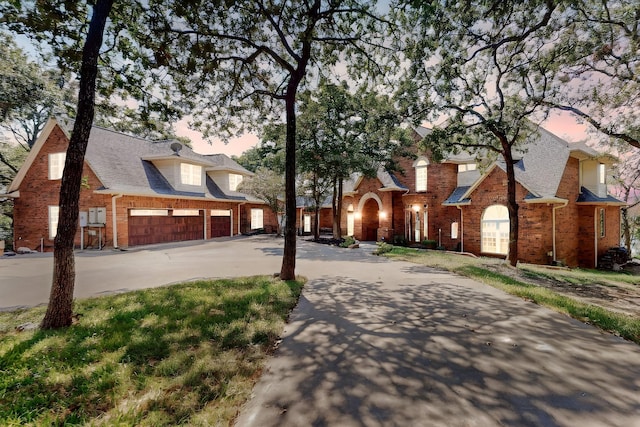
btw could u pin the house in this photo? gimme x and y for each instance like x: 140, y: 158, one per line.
x: 565, y: 213
x: 134, y: 192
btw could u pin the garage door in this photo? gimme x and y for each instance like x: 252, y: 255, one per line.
x: 149, y: 226
x: 220, y: 223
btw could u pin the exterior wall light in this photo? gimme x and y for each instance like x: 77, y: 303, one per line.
x: 382, y: 215
x: 416, y: 208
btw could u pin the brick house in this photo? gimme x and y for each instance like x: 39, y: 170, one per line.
x: 134, y: 192
x: 565, y: 212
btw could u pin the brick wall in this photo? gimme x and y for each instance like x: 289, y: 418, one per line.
x: 37, y: 193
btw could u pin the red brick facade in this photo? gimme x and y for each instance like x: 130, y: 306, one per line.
x: 578, y: 241
x: 37, y: 193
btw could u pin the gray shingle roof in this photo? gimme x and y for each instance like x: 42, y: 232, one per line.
x: 543, y: 158
x: 122, y: 163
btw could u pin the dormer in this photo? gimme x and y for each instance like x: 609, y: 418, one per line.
x: 226, y: 173
x: 593, y: 169
x: 183, y: 173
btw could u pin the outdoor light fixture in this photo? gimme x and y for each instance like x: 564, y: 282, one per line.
x: 416, y: 208
x: 383, y: 215
x: 358, y: 215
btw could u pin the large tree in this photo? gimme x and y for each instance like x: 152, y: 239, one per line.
x: 268, y: 186
x: 597, y: 52
x: 345, y: 132
x: 247, y: 61
x: 474, y: 63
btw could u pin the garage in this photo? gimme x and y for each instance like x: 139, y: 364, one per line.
x: 150, y: 226
x: 220, y: 223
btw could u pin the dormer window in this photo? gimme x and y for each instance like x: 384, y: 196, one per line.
x: 421, y: 174
x: 190, y: 174
x: 602, y: 173
x: 467, y: 167
x: 56, y: 165
x: 234, y: 181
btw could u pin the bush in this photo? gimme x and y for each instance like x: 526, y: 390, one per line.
x: 347, y: 241
x: 399, y: 240
x: 429, y: 244
x: 383, y: 248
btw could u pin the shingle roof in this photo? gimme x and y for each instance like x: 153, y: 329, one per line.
x: 388, y: 180
x: 589, y: 197
x: 457, y: 197
x: 123, y: 164
x: 542, y: 163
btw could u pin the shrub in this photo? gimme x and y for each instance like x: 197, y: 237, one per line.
x: 383, y: 248
x: 347, y: 241
x: 429, y: 244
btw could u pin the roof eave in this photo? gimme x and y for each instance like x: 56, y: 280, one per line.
x: 546, y: 200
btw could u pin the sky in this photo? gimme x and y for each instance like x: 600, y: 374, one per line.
x: 561, y: 124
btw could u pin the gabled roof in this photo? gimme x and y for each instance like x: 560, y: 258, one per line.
x: 387, y: 179
x: 124, y: 164
x: 587, y: 197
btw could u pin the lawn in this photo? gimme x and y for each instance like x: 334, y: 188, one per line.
x: 556, y: 289
x: 186, y: 354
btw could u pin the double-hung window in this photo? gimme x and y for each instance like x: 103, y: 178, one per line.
x: 190, y: 174
x: 256, y: 219
x: 421, y: 175
x: 56, y: 165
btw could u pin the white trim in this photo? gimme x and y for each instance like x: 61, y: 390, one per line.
x: 37, y: 146
x: 368, y: 196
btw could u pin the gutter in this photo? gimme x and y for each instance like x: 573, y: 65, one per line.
x: 114, y: 220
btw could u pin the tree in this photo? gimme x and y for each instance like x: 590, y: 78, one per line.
x: 344, y: 133
x: 251, y: 58
x: 11, y: 158
x: 481, y: 65
x: 597, y: 51
x: 268, y: 186
x: 626, y: 187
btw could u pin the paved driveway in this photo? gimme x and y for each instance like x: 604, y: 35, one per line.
x: 381, y: 343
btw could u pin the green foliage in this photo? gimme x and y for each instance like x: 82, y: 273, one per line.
x: 383, y: 248
x: 268, y: 186
x: 348, y: 241
x: 184, y: 354
x: 429, y: 244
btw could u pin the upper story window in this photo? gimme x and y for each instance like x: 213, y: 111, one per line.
x: 234, y: 181
x: 602, y: 173
x: 56, y: 165
x: 421, y: 175
x: 467, y: 167
x: 190, y: 174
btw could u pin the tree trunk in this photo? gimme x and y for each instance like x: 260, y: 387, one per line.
x: 512, y: 205
x: 626, y: 229
x: 338, y: 225
x: 287, y: 272
x: 317, y: 201
x: 60, y: 310
x: 334, y: 210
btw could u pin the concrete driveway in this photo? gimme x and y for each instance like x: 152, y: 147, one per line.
x: 381, y: 343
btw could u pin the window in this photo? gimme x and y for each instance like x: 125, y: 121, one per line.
x: 234, y: 181
x: 186, y: 212
x: 495, y: 230
x: 256, y: 219
x: 421, y: 175
x: 454, y: 230
x: 602, y: 173
x: 190, y: 174
x: 149, y: 212
x: 602, y: 223
x: 467, y: 167
x: 54, y: 214
x: 307, y: 223
x: 56, y: 165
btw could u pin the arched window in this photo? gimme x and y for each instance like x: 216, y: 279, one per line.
x: 495, y: 230
x: 421, y: 174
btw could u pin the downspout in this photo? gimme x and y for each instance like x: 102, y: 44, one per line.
x: 114, y: 220
x: 553, y: 225
x: 595, y: 235
x: 461, y: 230
x: 239, y: 216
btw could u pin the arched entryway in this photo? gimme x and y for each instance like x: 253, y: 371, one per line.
x: 370, y: 220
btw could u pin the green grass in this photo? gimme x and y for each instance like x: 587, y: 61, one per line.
x: 625, y: 326
x: 186, y: 354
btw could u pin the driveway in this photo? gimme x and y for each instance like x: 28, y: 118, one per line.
x: 375, y: 342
